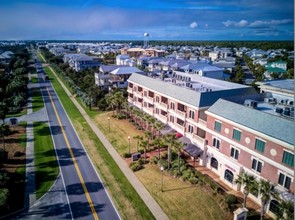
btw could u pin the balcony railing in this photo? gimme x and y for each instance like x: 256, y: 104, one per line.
x: 179, y: 128
x: 138, y: 104
x: 164, y: 106
x: 129, y: 90
x: 138, y: 94
x: 148, y: 110
x: 202, y: 122
x: 163, y: 118
x: 199, y: 140
x: 180, y: 114
x: 130, y: 99
x: 149, y: 99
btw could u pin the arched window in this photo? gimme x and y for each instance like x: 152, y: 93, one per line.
x: 214, y: 163
x: 274, y: 206
x: 229, y: 176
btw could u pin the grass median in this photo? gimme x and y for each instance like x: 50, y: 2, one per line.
x: 128, y: 202
x: 37, y: 101
x: 46, y: 166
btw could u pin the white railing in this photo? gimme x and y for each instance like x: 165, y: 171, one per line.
x: 199, y: 140
x: 179, y: 128
x: 202, y: 122
x: 180, y: 114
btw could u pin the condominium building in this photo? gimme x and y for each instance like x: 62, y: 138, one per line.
x: 232, y: 128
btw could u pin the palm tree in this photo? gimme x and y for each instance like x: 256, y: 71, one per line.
x: 144, y: 143
x: 159, y: 126
x: 148, y: 136
x: 159, y: 143
x: 246, y: 180
x: 177, y: 146
x: 170, y: 140
x: 266, y: 193
x: 4, y: 131
x: 138, y: 138
x: 286, y: 210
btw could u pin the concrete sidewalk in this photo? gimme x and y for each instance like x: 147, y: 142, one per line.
x: 137, y: 185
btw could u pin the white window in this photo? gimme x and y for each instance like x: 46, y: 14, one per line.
x: 256, y: 165
x: 234, y: 153
x: 284, y: 180
x: 190, y: 129
x: 172, y: 105
x: 157, y: 99
x: 171, y: 119
x: 191, y: 114
x: 157, y: 111
x: 216, y: 143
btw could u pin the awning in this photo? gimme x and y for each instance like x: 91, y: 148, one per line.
x: 166, y: 130
x: 193, y: 150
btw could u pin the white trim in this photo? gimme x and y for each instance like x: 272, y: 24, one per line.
x: 274, y: 140
x: 257, y: 161
x: 236, y: 149
x: 253, y: 153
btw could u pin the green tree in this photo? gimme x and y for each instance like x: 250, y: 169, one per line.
x: 286, y: 210
x: 4, y: 131
x: 266, y: 193
x: 177, y: 146
x: 170, y: 140
x: 247, y: 181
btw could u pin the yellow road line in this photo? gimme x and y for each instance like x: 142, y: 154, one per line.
x: 74, y: 161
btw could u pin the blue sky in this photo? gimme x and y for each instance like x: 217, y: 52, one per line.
x: 162, y: 19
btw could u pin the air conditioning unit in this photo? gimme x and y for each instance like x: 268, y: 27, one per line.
x: 251, y: 103
x: 279, y: 110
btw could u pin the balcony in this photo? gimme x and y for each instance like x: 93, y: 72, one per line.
x: 199, y: 140
x: 163, y: 106
x: 115, y: 79
x: 138, y: 94
x: 138, y: 104
x: 163, y: 118
x: 148, y: 110
x: 202, y: 123
x: 180, y: 114
x: 130, y: 100
x: 179, y: 128
x: 149, y: 99
x: 129, y: 90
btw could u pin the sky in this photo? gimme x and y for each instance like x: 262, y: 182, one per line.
x: 162, y: 19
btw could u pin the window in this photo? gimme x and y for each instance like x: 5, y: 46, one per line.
x: 256, y: 165
x: 284, y: 181
x: 145, y: 93
x: 288, y: 159
x: 144, y: 104
x: 216, y: 143
x: 259, y: 145
x: 190, y: 129
x: 217, y: 126
x: 157, y: 111
x: 274, y: 207
x: 236, y: 135
x: 234, y: 153
x: 191, y: 114
x: 172, y: 105
x: 214, y: 163
x: 157, y: 99
x: 171, y: 119
x: 228, y: 175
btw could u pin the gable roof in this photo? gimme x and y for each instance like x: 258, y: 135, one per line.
x: 126, y: 70
x: 268, y: 124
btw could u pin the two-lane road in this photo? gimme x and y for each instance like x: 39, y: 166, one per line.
x: 87, y: 196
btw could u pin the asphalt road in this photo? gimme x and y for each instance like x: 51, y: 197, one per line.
x: 86, y: 194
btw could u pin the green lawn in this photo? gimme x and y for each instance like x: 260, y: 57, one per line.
x: 34, y: 79
x: 22, y: 112
x: 128, y: 202
x: 37, y: 101
x: 45, y: 159
x: 40, y: 57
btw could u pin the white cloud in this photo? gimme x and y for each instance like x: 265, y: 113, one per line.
x: 241, y: 23
x: 259, y: 23
x: 194, y: 25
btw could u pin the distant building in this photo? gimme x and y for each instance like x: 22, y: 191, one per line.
x: 80, y: 61
x: 6, y: 57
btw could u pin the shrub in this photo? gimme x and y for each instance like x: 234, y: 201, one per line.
x: 173, y: 172
x: 231, y: 200
x: 163, y: 163
x: 175, y: 163
x: 18, y: 154
x: 136, y: 166
x: 140, y: 161
x: 193, y: 180
x: 3, y: 155
x: 154, y: 160
x: 126, y: 155
x: 187, y: 174
x: 4, y: 193
x: 164, y: 155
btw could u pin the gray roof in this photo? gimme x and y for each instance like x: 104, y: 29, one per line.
x: 109, y: 68
x: 268, y: 124
x: 188, y: 96
x: 126, y: 70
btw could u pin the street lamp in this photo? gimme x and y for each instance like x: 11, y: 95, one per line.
x: 109, y: 124
x: 129, y: 143
x: 162, y: 170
